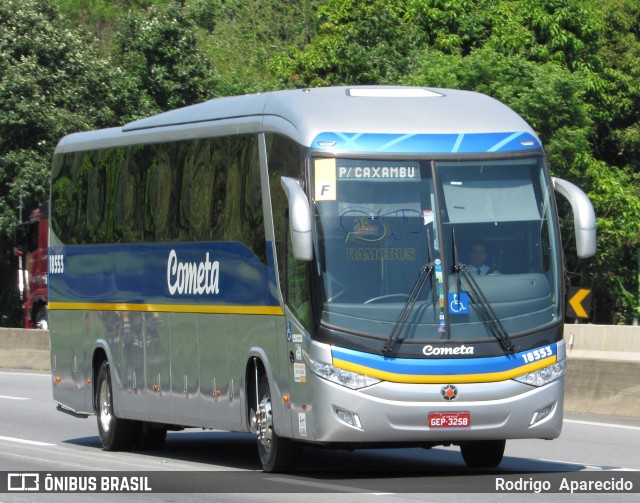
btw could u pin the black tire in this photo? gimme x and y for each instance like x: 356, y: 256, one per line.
x: 483, y: 453
x: 42, y: 318
x: 115, y: 434
x: 277, y: 454
x: 151, y: 437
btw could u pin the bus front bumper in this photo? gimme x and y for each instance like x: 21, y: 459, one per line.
x: 419, y: 413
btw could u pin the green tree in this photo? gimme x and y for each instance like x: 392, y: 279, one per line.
x: 374, y: 41
x: 617, y: 110
x: 51, y: 83
x: 247, y: 34
x: 100, y: 17
x: 615, y: 194
x: 357, y: 42
x: 158, y: 48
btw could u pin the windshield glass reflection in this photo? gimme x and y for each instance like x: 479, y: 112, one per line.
x: 380, y: 224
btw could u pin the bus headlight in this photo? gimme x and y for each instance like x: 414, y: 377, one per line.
x: 343, y: 377
x: 545, y: 375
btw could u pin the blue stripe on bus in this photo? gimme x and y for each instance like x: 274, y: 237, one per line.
x: 189, y: 274
x: 446, y: 366
x: 426, y: 143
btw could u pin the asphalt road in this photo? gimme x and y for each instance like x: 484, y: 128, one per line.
x: 35, y: 438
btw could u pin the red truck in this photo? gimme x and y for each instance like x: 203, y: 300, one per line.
x: 31, y: 242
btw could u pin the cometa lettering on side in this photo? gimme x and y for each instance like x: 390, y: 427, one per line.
x: 187, y: 278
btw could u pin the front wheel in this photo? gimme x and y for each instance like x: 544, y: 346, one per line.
x: 483, y: 453
x: 115, y: 434
x: 276, y: 453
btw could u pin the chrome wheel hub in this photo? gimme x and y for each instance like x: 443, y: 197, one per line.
x: 104, y: 405
x: 264, y: 423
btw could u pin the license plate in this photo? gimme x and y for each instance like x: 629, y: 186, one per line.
x: 449, y: 419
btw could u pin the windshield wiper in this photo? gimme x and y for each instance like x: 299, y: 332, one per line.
x: 425, y: 272
x: 497, y: 328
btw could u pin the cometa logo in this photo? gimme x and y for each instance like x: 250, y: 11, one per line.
x: 449, y: 392
x: 192, y: 278
x: 430, y: 350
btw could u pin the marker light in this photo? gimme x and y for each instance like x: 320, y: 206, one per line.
x: 343, y: 377
x: 545, y: 375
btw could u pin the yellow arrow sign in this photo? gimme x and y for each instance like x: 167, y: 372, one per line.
x: 576, y: 302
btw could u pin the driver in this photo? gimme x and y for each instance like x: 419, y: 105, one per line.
x: 477, y: 260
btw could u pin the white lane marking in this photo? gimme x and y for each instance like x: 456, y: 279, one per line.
x: 322, y: 485
x: 23, y: 441
x: 596, y: 468
x: 65, y: 464
x: 587, y: 468
x: 607, y: 425
x: 44, y: 374
x: 6, y: 397
x: 116, y: 461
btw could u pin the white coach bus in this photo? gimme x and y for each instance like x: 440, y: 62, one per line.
x: 345, y: 267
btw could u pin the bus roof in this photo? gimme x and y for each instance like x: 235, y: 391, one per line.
x: 306, y: 113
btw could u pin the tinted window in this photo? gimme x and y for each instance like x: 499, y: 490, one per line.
x: 285, y: 158
x: 199, y: 190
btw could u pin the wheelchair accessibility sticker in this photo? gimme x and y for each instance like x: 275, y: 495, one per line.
x: 459, y: 303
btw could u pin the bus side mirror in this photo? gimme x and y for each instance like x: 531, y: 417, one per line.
x: 584, y: 218
x: 299, y: 219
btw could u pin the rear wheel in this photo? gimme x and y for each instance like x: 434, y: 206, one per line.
x: 276, y: 453
x: 115, y: 434
x: 483, y: 453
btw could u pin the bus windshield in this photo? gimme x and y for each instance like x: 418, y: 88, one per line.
x: 381, y: 222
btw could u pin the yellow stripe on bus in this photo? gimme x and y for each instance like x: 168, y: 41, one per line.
x: 165, y: 308
x: 445, y: 379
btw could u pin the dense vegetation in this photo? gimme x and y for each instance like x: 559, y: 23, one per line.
x: 570, y: 67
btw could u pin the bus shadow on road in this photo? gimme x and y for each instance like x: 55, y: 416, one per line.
x: 238, y: 451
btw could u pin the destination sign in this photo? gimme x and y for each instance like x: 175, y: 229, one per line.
x: 378, y: 170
